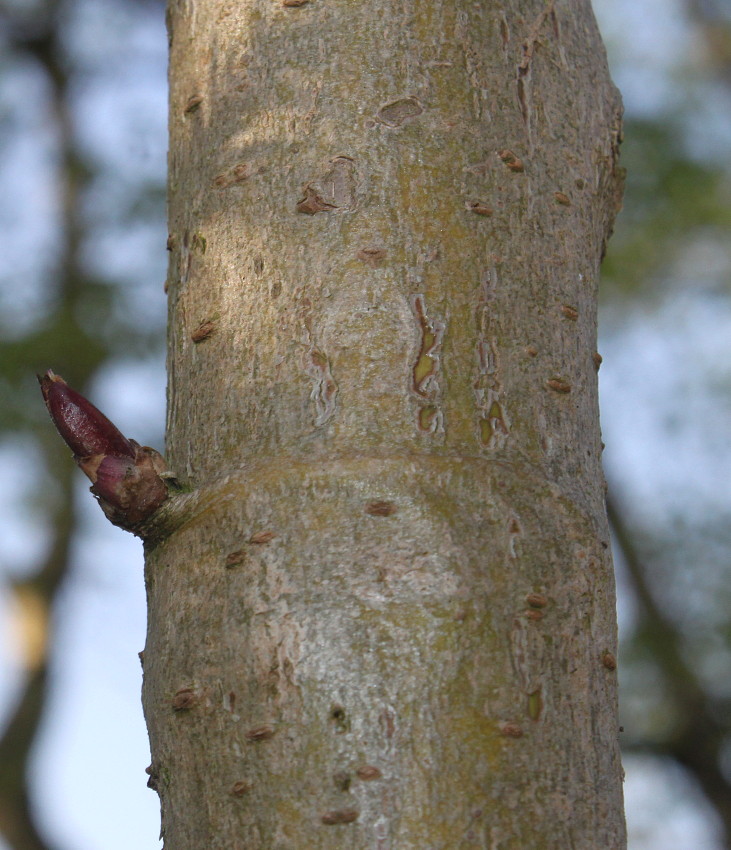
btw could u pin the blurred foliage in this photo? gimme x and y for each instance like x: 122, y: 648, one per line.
x: 82, y: 212
x: 671, y: 243
x: 670, y: 200
x: 83, y: 220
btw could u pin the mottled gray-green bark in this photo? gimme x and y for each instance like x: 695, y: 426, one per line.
x: 383, y: 614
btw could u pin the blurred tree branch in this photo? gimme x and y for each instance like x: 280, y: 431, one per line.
x: 713, y: 18
x: 702, y: 726
x: 70, y: 348
x: 81, y: 318
x: 35, y: 597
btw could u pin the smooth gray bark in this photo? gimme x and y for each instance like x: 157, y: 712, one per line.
x: 384, y: 615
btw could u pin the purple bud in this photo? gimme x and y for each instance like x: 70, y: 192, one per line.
x: 125, y: 476
x: 130, y: 491
x: 113, y: 475
x: 85, y: 430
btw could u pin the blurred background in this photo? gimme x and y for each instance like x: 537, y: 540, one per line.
x: 82, y: 218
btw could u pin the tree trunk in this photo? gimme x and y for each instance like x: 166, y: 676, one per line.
x: 384, y: 616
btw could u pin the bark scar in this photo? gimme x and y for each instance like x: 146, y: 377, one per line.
x: 426, y: 369
x: 493, y: 420
x: 400, y: 111
x: 524, y: 66
x: 334, y: 191
x: 325, y: 390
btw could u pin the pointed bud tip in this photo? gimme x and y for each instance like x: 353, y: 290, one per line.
x: 84, y: 428
x: 47, y: 380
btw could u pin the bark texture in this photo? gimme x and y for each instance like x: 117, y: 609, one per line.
x: 384, y: 615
